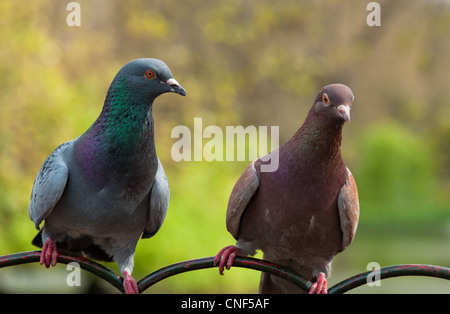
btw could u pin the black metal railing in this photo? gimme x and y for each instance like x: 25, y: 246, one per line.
x: 245, y: 262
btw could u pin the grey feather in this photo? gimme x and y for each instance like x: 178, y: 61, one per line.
x: 48, y: 186
x: 159, y: 203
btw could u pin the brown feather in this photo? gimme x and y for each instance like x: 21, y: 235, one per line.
x: 348, y: 205
x: 241, y: 195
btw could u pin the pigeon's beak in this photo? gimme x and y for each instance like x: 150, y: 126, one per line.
x: 345, y: 112
x: 175, y: 87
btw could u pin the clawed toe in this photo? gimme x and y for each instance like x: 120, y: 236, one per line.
x: 49, y: 254
x: 320, y: 286
x: 129, y: 284
x: 226, y: 257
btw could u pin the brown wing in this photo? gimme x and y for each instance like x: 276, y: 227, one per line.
x: 348, y: 205
x: 242, y: 192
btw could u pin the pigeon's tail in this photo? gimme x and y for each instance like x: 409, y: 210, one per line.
x: 83, y: 247
x: 37, y: 241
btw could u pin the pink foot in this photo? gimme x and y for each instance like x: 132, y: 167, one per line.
x: 226, y: 256
x: 49, y: 254
x: 320, y: 286
x: 129, y: 284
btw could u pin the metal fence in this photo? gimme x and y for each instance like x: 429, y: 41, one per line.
x: 245, y: 262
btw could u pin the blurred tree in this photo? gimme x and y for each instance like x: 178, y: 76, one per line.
x: 399, y: 175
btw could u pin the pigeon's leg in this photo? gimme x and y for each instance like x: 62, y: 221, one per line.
x: 320, y: 286
x: 226, y: 256
x: 129, y: 284
x: 49, y: 254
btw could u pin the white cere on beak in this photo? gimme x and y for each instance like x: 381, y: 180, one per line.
x: 345, y: 111
x: 172, y: 82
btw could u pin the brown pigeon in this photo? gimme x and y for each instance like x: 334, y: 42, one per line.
x: 305, y: 212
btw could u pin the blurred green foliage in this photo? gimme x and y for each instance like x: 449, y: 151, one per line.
x: 401, y: 170
x: 242, y: 63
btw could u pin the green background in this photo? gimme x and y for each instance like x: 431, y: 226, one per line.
x: 244, y: 63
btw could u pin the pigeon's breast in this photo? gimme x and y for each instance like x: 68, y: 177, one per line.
x: 116, y: 204
x: 103, y: 214
x: 294, y: 214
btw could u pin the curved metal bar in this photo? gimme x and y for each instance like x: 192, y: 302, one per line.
x: 389, y: 272
x: 208, y: 262
x: 86, y: 264
x: 245, y: 262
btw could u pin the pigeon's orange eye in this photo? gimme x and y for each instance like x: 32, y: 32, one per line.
x: 150, y: 74
x: 325, y: 99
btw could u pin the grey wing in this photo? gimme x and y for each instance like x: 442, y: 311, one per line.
x: 348, y: 206
x: 244, y: 189
x: 49, y: 185
x: 159, y: 202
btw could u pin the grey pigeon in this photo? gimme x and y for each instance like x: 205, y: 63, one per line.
x: 305, y: 212
x: 102, y: 191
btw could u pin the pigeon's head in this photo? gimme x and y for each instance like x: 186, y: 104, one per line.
x: 148, y: 78
x: 333, y: 102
